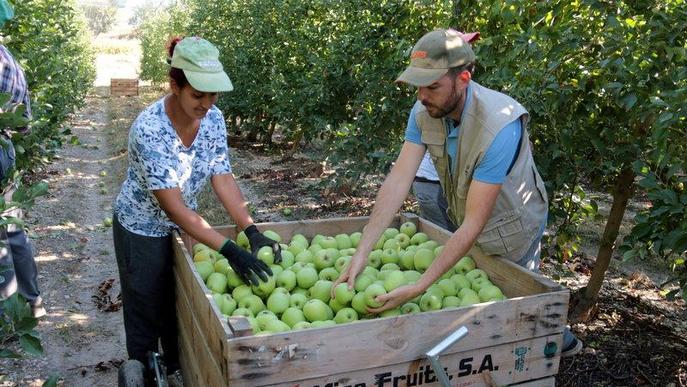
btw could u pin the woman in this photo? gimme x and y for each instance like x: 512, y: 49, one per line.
x: 176, y: 145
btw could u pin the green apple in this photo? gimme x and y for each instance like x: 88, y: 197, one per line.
x: 242, y: 240
x: 314, y: 248
x: 343, y: 241
x: 358, y: 303
x: 362, y: 282
x: 204, y: 269
x: 423, y: 259
x: 317, y: 310
x: 328, y: 242
x: 394, y: 280
x: 287, y: 259
x: 355, y: 238
x: 450, y: 302
x: 476, y: 273
x: 204, y: 255
x: 228, y: 304
x: 286, y: 279
x: 278, y: 302
x: 405, y: 259
x: 326, y: 258
x: 266, y: 254
x: 298, y: 266
x: 478, y: 283
x: 217, y: 282
x: 306, y: 277
x: 343, y: 294
x: 350, y: 251
x: 429, y: 245
x: 298, y: 290
x: 292, y: 316
x: 430, y: 301
x: 305, y: 256
x: 464, y: 265
x: 403, y: 240
x: 219, y: 300
x: 389, y: 267
x: 411, y: 276
x: 342, y: 262
x: 490, y: 293
x: 371, y: 293
x: 346, y: 315
x: 321, y: 290
x: 335, y: 305
x: 222, y: 266
x: 374, y: 259
x: 301, y: 239
x: 277, y: 326
x: 391, y: 313
x: 264, y: 288
x: 467, y: 292
x: 448, y: 287
x: 252, y: 303
x: 233, y: 279
x: 419, y: 238
x: 371, y: 271
x: 390, y: 232
x: 460, y: 281
x: 240, y: 292
x: 302, y: 325
x: 408, y: 228
x: 380, y: 242
x: 276, y: 269
x: 329, y: 274
x: 272, y: 235
x: 316, y: 239
x: 469, y: 299
x: 410, y: 308
x: 436, y: 290
x: 198, y: 247
x: 282, y: 290
x: 263, y: 317
x: 242, y: 312
x: 391, y: 244
x: 297, y: 300
x: 389, y: 256
x: 296, y: 247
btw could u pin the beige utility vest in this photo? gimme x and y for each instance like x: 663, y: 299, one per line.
x: 522, y: 204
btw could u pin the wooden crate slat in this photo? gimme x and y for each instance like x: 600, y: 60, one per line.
x: 394, y: 340
x: 500, y: 365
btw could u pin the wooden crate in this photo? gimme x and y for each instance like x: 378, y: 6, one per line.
x: 514, y: 341
x: 123, y: 87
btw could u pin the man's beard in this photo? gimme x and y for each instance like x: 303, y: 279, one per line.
x: 450, y: 105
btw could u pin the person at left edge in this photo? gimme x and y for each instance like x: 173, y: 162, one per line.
x: 175, y: 146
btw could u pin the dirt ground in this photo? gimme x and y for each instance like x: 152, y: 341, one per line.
x: 637, y: 338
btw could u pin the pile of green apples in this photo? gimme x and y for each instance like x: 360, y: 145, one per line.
x: 298, y: 295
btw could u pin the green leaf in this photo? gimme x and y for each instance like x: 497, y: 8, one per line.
x: 31, y: 344
x: 628, y: 101
x: 8, y: 354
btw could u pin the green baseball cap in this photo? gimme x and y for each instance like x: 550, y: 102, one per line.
x: 199, y: 59
x: 435, y: 53
x: 6, y: 12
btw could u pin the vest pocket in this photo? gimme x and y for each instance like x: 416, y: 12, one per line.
x: 502, y: 238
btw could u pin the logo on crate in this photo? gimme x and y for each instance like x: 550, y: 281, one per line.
x: 424, y: 375
x: 520, y: 360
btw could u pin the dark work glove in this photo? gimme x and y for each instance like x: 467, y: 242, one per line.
x: 257, y: 240
x: 244, y: 264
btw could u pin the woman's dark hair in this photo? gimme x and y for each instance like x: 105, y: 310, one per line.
x: 174, y: 73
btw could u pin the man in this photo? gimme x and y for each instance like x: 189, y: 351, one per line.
x: 19, y: 272
x: 478, y: 141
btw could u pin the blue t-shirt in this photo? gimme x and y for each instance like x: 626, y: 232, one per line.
x: 159, y: 160
x: 497, y: 161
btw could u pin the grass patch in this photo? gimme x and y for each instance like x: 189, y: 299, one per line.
x: 116, y: 46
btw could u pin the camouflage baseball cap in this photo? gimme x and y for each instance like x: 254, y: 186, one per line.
x: 199, y: 59
x: 435, y: 53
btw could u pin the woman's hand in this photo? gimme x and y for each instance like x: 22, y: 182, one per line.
x: 245, y: 264
x: 258, y: 240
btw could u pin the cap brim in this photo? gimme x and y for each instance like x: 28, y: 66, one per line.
x: 209, y: 82
x: 420, y: 77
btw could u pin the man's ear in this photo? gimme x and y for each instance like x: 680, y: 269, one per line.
x: 465, y: 76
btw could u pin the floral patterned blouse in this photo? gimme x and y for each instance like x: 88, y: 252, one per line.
x: 159, y: 160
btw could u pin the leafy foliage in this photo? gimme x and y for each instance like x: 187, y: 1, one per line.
x: 16, y: 323
x: 49, y: 40
x: 100, y: 15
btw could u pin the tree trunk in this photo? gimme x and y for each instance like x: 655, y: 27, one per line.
x: 584, y: 302
x: 295, y: 146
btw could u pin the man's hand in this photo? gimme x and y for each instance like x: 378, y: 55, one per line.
x: 395, y: 298
x: 351, y: 271
x: 258, y: 240
x: 244, y: 264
